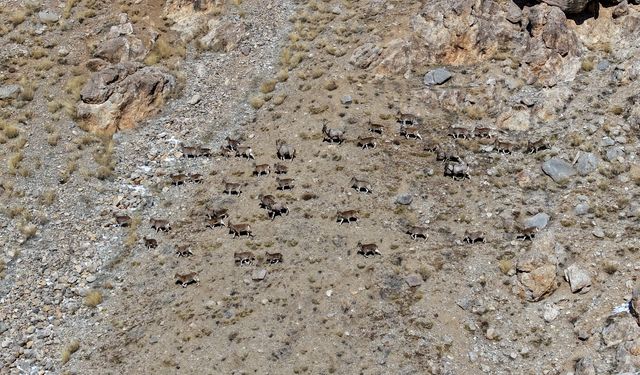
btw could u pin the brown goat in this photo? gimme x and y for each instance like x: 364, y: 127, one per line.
x: 186, y: 279
x: 367, y: 142
x: 122, y: 220
x: 261, y: 169
x: 475, y: 236
x: 239, y: 229
x: 368, y: 250
x: 183, y: 251
x: 273, y: 258
x: 348, y: 216
x: 280, y: 168
x: 416, y: 231
x: 285, y: 151
x: 232, y: 188
x: 285, y: 183
x: 160, y: 225
x: 150, y: 243
x: 360, y: 185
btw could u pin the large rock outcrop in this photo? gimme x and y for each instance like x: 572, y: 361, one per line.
x: 537, y: 38
x: 121, y: 95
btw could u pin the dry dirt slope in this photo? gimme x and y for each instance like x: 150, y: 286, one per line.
x: 326, y: 309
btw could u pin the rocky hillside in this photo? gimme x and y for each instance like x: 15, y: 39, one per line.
x: 350, y: 187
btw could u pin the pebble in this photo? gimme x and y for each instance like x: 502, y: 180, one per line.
x: 329, y: 293
x: 598, y: 232
x: 194, y: 99
x: 413, y: 280
x: 404, y: 199
x: 346, y: 100
x: 551, y: 312
x: 259, y: 275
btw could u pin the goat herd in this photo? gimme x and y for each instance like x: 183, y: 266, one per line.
x: 454, y: 167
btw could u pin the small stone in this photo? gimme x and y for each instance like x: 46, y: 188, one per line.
x: 346, y: 100
x: 551, y: 312
x: 413, y: 280
x: 329, y: 293
x: 473, y: 356
x: 437, y: 77
x: 539, y: 221
x: 492, y: 334
x: 558, y: 169
x: 404, y: 199
x: 194, y: 99
x: 598, y: 232
x: 47, y: 16
x: 259, y: 275
x: 587, y: 163
x: 264, y: 301
x: 606, y: 142
x: 578, y: 278
x: 613, y: 153
x: 603, y: 65
x: 581, y: 209
x: 91, y: 278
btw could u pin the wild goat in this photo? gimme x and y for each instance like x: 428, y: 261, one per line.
x: 536, y: 146
x: 122, y: 220
x: 483, y: 132
x: 448, y: 155
x: 160, y: 225
x: 204, y: 151
x: 504, y: 147
x: 239, y: 229
x: 227, y: 153
x: 375, y: 128
x: 232, y: 188
x: 332, y: 135
x: 431, y: 145
x: 280, y: 168
x: 406, y: 119
x: 183, y: 251
x: 348, y: 216
x: 218, y: 212
x: 457, y: 171
x: 459, y: 132
x: 261, y: 169
x: 150, y: 243
x: 178, y: 179
x: 410, y: 132
x: 273, y: 258
x: 232, y: 144
x: 215, y: 221
x: 416, y: 231
x: 190, y: 151
x: 367, y: 142
x: 634, y: 304
x: 187, y: 279
x: 473, y: 237
x: 285, y: 183
x: 368, y: 250
x: 285, y: 151
x: 277, y: 209
x: 266, y: 201
x: 360, y: 185
x: 245, y: 152
x: 527, y: 233
x: 244, y: 258
x: 195, y: 178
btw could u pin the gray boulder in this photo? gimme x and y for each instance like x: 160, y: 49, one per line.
x: 539, y: 221
x: 578, y: 278
x: 587, y: 163
x: 404, y: 199
x: 47, y: 16
x: 569, y: 6
x: 437, y: 77
x: 558, y: 169
x: 10, y: 91
x: 613, y: 153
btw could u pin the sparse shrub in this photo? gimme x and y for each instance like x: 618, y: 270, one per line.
x: 53, y: 139
x: 18, y: 17
x: 11, y: 131
x: 14, y: 162
x: 616, y: 110
x: 610, y: 267
x: 257, y: 101
x: 28, y: 230
x: 282, y: 75
x: 163, y: 50
x: 70, y: 349
x: 38, y: 52
x: 93, y: 298
x: 279, y: 99
x: 587, y: 65
x: 48, y: 197
x: 268, y: 86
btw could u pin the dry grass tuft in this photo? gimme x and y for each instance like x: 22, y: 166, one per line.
x: 10, y: 131
x: 70, y: 349
x: 257, y: 101
x: 93, y: 298
x: 268, y: 86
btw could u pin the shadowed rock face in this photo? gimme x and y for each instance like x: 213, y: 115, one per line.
x: 120, y: 96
